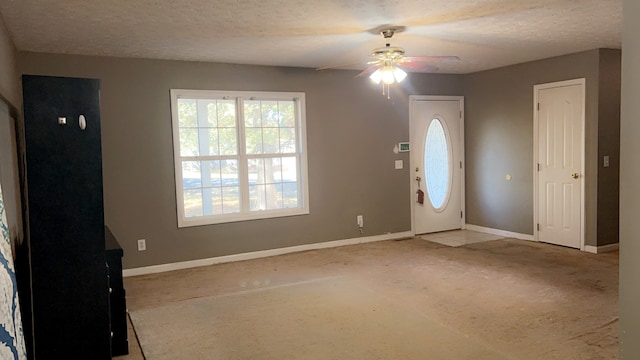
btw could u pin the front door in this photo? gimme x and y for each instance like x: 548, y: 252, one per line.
x: 436, y: 133
x: 559, y: 124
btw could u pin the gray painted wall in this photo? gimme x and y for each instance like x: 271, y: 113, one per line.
x: 9, y: 84
x: 10, y: 102
x: 351, y: 131
x: 9, y: 174
x: 350, y: 145
x: 629, y: 185
x: 609, y: 145
x: 499, y: 139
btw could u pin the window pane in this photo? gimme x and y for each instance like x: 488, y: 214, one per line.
x: 215, y: 204
x: 207, y: 113
x: 274, y: 196
x: 256, y: 171
x: 230, y: 173
x: 188, y: 141
x: 290, y: 169
x: 257, y: 197
x: 211, y: 171
x: 436, y: 164
x: 270, y: 141
x: 212, y: 114
x: 227, y: 141
x: 192, y: 203
x: 214, y: 148
x: 267, y: 190
x: 287, y: 118
x: 290, y: 195
x: 252, y: 115
x: 206, y: 201
x: 287, y: 140
x: 227, y: 113
x: 187, y: 113
x: 254, y: 140
x: 270, y: 114
x: 273, y: 170
x: 191, y: 174
x: 230, y: 199
x: 208, y: 141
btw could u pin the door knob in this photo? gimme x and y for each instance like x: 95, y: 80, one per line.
x: 575, y: 175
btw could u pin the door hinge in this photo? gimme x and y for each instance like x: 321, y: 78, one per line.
x: 460, y: 114
x: 538, y: 227
x: 460, y: 164
x: 538, y: 106
x: 461, y: 215
x: 538, y: 166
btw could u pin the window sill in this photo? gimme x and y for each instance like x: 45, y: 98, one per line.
x: 231, y: 218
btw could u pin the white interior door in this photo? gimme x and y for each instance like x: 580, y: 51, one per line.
x: 559, y: 165
x: 436, y: 133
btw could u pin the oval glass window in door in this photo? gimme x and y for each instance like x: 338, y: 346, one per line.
x: 437, y: 165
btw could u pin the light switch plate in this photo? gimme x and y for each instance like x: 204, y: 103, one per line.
x: 605, y: 161
x: 399, y: 164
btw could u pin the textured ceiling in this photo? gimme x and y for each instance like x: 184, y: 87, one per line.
x: 485, y: 34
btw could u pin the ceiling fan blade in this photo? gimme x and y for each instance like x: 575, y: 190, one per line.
x: 419, y: 67
x: 339, y: 66
x: 430, y: 58
x: 368, y: 71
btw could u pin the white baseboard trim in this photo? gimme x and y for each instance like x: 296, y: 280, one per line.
x: 498, y: 232
x: 260, y: 254
x: 601, y: 249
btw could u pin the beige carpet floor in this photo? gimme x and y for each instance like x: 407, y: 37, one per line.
x: 326, y: 318
x: 410, y: 299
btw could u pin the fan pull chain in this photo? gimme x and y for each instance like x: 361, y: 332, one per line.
x: 388, y: 91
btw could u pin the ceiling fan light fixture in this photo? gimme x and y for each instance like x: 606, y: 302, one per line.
x: 399, y: 74
x: 388, y: 75
x: 376, y: 77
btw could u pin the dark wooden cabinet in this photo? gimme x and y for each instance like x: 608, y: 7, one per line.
x: 117, y: 296
x: 68, y: 286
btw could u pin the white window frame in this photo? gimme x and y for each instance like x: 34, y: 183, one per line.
x: 245, y: 212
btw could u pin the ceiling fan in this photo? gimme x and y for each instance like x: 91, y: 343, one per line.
x: 389, y: 62
x: 395, y: 56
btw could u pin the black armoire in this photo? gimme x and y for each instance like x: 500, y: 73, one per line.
x: 68, y: 300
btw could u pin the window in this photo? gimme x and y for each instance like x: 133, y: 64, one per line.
x: 437, y: 165
x: 238, y: 155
